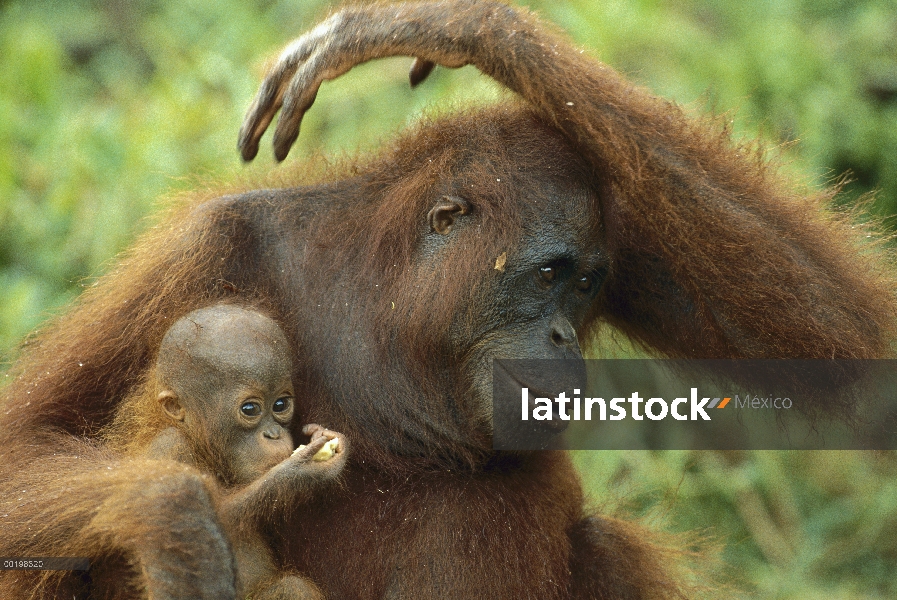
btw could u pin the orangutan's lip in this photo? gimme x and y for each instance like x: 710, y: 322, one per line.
x: 555, y: 424
x: 533, y: 393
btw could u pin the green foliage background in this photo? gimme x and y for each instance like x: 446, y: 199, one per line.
x: 106, y: 106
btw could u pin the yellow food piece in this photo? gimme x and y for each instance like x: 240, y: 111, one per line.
x: 325, y: 453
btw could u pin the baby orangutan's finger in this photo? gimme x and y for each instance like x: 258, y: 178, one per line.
x: 312, y: 430
x: 307, y: 452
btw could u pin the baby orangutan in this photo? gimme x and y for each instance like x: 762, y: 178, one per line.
x: 223, y: 381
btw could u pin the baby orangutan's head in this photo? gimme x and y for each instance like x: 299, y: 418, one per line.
x: 224, y: 375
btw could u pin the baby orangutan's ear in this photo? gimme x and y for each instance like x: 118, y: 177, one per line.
x: 171, y: 405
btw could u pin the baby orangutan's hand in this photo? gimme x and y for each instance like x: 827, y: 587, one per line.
x: 326, y: 446
x: 299, y: 477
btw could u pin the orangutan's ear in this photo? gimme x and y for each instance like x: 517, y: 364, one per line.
x: 171, y: 405
x: 442, y: 216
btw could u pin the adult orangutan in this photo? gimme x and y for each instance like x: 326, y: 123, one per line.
x: 605, y: 204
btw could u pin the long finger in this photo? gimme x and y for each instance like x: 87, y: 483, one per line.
x: 266, y: 104
x: 294, y: 109
x: 301, y: 94
x: 420, y: 70
x: 269, y: 98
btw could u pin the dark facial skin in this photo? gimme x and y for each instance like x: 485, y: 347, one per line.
x: 226, y: 382
x: 536, y: 304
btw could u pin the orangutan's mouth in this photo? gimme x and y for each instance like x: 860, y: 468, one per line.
x: 555, y: 424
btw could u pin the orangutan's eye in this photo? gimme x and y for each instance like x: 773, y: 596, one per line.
x: 584, y: 283
x: 282, y: 404
x: 251, y: 409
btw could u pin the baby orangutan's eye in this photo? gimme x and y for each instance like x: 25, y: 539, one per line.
x: 281, y: 404
x: 251, y: 409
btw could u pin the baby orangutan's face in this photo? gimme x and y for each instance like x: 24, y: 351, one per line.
x: 255, y: 418
x: 245, y: 409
